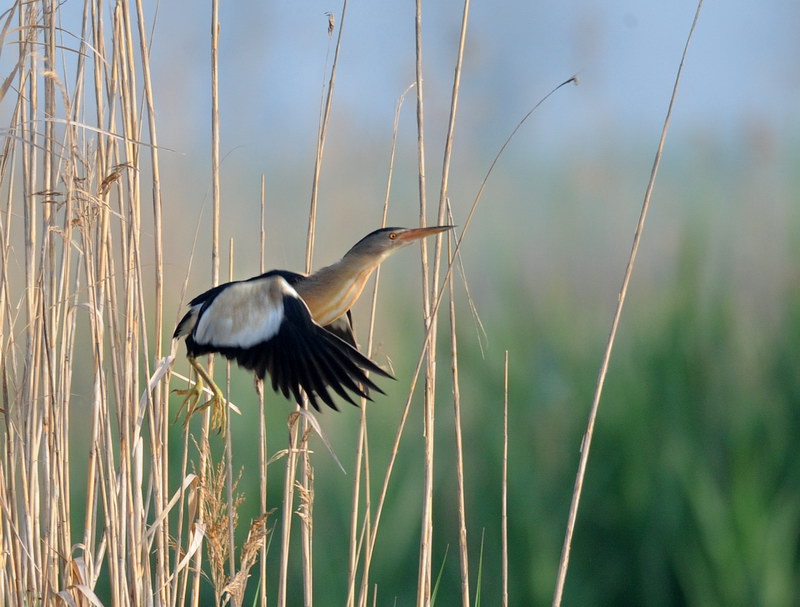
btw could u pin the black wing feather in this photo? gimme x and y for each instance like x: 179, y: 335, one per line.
x: 342, y: 328
x: 333, y: 378
x: 317, y: 377
x: 341, y: 368
x: 301, y: 355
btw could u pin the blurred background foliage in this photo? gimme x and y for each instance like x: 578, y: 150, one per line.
x: 693, y: 488
x: 693, y: 492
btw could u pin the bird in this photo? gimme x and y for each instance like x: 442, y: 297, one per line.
x: 296, y: 328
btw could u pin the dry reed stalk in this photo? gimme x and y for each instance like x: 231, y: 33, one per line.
x: 426, y: 531
x: 262, y: 420
x: 305, y: 512
x: 443, y: 215
x: 220, y: 516
x: 215, y: 182
x: 287, y: 508
x: 179, y: 577
x: 504, y: 490
x: 159, y: 435
x: 463, y: 552
x: 429, y: 317
x: 254, y: 543
x: 27, y: 519
x: 586, y: 443
x: 229, y: 460
x: 436, y: 303
x: 40, y: 431
x: 81, y: 238
x: 323, y: 129
x: 362, y: 448
x: 51, y: 417
x: 9, y: 587
x: 215, y: 256
x: 307, y: 471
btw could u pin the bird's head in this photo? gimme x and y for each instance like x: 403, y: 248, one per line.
x: 382, y: 243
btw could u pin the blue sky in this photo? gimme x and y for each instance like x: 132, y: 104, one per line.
x: 738, y: 103
x: 582, y: 161
x: 742, y: 66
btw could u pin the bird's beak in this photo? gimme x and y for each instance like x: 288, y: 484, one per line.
x: 417, y: 233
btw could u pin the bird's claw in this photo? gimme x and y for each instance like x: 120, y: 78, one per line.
x: 191, y: 403
x: 219, y: 410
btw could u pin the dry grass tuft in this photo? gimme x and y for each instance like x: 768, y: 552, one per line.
x: 255, y: 542
x: 217, y: 517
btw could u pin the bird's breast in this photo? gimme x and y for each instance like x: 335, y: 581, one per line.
x: 332, y: 297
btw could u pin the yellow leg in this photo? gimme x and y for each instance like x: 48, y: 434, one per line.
x: 218, y: 403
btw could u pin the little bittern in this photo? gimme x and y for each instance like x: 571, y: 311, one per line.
x: 296, y: 328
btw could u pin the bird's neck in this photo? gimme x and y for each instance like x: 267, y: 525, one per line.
x: 331, y: 291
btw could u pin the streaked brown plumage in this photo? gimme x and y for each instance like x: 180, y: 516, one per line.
x: 294, y: 328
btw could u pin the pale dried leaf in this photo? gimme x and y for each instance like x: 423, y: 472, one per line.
x: 89, y: 594
x: 198, y: 532
x: 190, y: 480
x: 65, y: 596
x: 318, y: 429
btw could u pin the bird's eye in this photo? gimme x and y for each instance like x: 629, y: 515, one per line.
x: 393, y: 235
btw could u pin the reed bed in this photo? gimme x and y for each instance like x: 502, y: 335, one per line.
x: 93, y: 512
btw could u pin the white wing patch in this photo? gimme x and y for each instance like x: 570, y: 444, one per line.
x: 245, y: 314
x: 188, y: 322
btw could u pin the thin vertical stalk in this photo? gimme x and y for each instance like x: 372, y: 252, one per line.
x: 46, y: 283
x: 30, y: 420
x: 306, y: 514
x: 323, y: 129
x: 442, y: 215
x: 262, y: 420
x: 215, y: 258
x: 229, y: 457
x: 158, y: 398
x: 421, y: 358
x: 462, y: 515
x: 362, y: 451
x: 426, y: 531
x: 586, y: 443
x: 215, y: 183
x: 504, y: 489
x: 307, y: 482
x: 288, y: 499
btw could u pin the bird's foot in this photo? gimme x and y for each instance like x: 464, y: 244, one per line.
x: 217, y: 402
x: 191, y: 404
x: 191, y: 398
x: 219, y: 409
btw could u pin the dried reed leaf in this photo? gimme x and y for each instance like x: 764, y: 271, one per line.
x: 190, y: 480
x: 89, y: 594
x: 252, y: 545
x: 312, y: 420
x: 196, y: 540
x: 112, y: 177
x: 331, y: 23
x: 65, y: 596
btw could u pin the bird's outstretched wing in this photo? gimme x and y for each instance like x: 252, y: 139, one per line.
x: 341, y: 327
x: 264, y: 326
